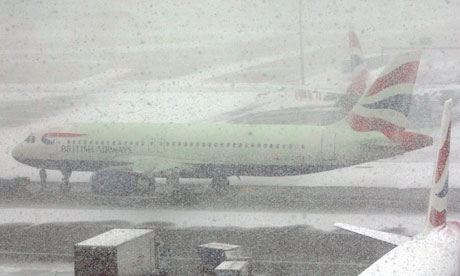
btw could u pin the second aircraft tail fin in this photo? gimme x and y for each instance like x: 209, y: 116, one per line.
x: 359, y: 74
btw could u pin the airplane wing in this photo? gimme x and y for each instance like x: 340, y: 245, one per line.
x: 378, y: 235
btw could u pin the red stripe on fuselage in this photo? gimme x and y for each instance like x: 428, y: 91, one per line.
x: 443, y: 156
x: 406, y: 73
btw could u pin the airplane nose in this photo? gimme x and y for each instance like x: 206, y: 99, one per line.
x: 16, y: 152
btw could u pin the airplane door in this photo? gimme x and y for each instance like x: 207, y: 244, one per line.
x: 328, y: 145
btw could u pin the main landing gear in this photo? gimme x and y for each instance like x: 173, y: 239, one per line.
x: 65, y: 184
x: 173, y: 181
x: 145, y: 185
x: 219, y: 184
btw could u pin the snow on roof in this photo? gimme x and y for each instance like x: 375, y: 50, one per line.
x: 114, y: 237
x: 236, y: 265
x: 221, y: 246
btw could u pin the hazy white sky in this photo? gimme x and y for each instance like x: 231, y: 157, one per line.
x: 219, y: 15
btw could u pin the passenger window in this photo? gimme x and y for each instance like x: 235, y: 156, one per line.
x: 96, y: 142
x: 167, y: 144
x: 283, y: 146
x: 185, y: 144
x: 277, y: 146
x: 215, y: 145
x: 228, y: 145
x: 114, y: 143
x: 74, y: 142
x: 173, y: 144
x: 240, y: 145
x: 203, y: 144
x: 290, y: 146
x: 130, y: 143
x: 302, y: 146
x: 271, y: 146
x: 137, y: 143
x: 258, y: 145
x: 265, y: 145
x: 234, y: 145
x: 197, y: 144
x: 68, y: 141
x: 79, y: 141
x: 221, y: 145
x: 179, y: 144
x: 252, y: 145
x: 246, y: 145
x: 84, y: 142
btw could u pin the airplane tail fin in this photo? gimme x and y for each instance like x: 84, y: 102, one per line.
x: 437, y: 207
x: 385, y: 106
x: 359, y: 74
x: 359, y: 71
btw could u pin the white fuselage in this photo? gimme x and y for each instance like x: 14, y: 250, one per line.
x: 437, y: 253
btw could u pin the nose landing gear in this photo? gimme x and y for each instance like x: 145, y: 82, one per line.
x: 42, y: 173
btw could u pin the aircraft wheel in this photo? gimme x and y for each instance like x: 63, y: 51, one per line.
x: 220, y: 184
x: 65, y: 187
x: 145, y: 185
x: 42, y: 174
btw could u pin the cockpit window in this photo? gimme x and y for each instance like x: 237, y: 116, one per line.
x: 30, y: 139
x: 47, y: 141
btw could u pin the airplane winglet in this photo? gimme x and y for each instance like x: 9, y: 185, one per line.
x: 437, y: 207
x: 375, y: 234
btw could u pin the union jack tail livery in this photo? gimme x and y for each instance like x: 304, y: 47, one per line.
x: 385, y: 105
x: 359, y: 71
x: 437, y: 208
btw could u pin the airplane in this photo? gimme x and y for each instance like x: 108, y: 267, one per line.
x: 136, y: 153
x: 436, y: 250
